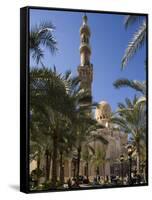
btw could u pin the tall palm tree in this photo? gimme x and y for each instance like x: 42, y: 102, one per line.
x: 138, y: 38
x: 132, y: 120
x: 42, y: 36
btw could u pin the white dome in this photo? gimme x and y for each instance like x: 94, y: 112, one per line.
x: 103, y: 111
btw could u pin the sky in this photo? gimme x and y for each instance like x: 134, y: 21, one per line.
x: 108, y: 41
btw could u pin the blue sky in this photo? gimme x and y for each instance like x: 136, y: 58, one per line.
x: 108, y: 40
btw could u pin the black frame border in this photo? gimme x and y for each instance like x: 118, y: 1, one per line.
x: 25, y: 96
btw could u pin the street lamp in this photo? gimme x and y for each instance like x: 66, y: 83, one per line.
x: 130, y: 151
x: 121, y: 160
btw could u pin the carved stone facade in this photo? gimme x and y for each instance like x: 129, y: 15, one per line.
x: 116, y: 139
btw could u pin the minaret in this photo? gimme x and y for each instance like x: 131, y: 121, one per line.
x: 85, y: 69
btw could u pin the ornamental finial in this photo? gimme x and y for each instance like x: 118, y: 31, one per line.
x: 85, y: 18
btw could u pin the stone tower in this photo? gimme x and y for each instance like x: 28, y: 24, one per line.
x: 85, y: 69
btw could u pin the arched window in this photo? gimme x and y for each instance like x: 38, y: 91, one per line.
x: 83, y: 38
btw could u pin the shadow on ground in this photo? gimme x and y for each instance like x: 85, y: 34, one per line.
x: 15, y: 187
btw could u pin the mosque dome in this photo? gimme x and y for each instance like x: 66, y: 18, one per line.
x: 103, y: 111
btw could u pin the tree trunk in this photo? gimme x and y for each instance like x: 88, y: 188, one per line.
x: 104, y: 171
x: 97, y: 171
x: 54, y: 162
x: 145, y: 174
x: 78, y: 161
x: 48, y: 164
x: 138, y: 158
x: 87, y: 170
x: 61, y: 169
x: 38, y: 162
x: 74, y: 170
x: 38, y: 169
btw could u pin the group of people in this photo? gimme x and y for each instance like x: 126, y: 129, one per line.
x: 107, y: 180
x: 74, y: 183
x: 100, y: 180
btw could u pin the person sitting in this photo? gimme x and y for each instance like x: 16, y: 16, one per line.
x: 86, y: 180
x: 69, y: 183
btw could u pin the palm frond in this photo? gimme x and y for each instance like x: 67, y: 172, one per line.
x: 130, y: 20
x: 137, y: 85
x: 141, y: 100
x: 47, y: 39
x: 42, y: 35
x: 136, y: 42
x: 37, y: 54
x: 129, y: 103
x: 121, y: 105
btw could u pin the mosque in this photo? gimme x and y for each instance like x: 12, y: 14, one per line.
x: 115, y: 140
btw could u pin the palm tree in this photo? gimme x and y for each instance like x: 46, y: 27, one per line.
x: 36, y: 153
x: 87, y: 155
x: 84, y: 129
x: 81, y: 130
x: 48, y: 156
x: 99, y: 159
x: 132, y: 120
x: 40, y: 141
x: 46, y: 85
x: 65, y: 145
x: 42, y: 35
x: 138, y: 38
x: 134, y: 84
